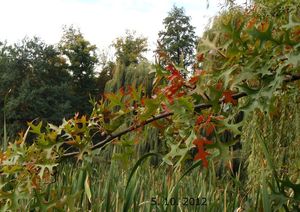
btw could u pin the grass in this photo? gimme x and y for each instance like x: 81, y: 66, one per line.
x: 147, y: 189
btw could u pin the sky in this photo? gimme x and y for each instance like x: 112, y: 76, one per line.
x: 101, y: 21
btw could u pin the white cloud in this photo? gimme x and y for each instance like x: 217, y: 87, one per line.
x: 101, y: 21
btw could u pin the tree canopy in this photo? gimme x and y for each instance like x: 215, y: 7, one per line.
x: 35, y: 79
x: 131, y: 67
x: 130, y: 48
x: 178, y: 38
x: 82, y: 60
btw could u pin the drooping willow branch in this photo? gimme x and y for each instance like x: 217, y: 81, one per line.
x: 202, y: 106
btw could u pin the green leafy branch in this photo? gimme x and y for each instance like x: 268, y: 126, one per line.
x: 198, y: 108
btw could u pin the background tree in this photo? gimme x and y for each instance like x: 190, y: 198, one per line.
x: 131, y: 66
x: 105, y: 75
x: 178, y: 38
x: 132, y: 69
x: 36, y: 75
x: 130, y: 49
x: 108, y: 67
x: 82, y: 58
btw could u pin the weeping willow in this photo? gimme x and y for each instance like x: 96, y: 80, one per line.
x: 134, y: 75
x: 281, y: 133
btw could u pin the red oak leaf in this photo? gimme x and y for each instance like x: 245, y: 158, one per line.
x: 136, y: 140
x: 130, y: 89
x: 181, y: 93
x: 157, y: 125
x: 199, y: 72
x: 164, y: 106
x: 194, y: 79
x: 170, y: 68
x: 228, y: 97
x: 209, y: 128
x: 200, y: 119
x: 170, y: 99
x: 297, y: 32
x: 200, y: 57
x: 175, y: 75
x: 127, y: 103
x: 200, y: 142
x: 122, y: 91
x: 176, y: 81
x: 251, y: 23
x: 201, y: 154
x: 143, y: 101
x: 264, y: 26
x: 219, y: 86
x: 208, y: 119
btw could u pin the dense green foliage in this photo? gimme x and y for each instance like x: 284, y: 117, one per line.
x: 178, y: 39
x: 247, y: 63
x: 36, y: 83
x: 131, y: 69
x: 82, y: 59
x: 130, y: 49
x: 48, y: 82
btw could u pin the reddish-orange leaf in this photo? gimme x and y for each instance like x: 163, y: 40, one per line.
x: 170, y: 68
x: 175, y: 75
x: 157, y: 125
x: 170, y: 99
x: 172, y: 89
x: 201, y: 141
x: 136, y: 140
x: 228, y: 97
x: 238, y: 23
x: 129, y: 89
x: 135, y: 105
x: 164, y: 106
x: 108, y: 95
x: 209, y: 128
x: 181, y: 93
x: 251, y: 23
x: 297, y: 32
x: 264, y: 26
x: 194, y: 79
x: 122, y: 91
x: 143, y: 101
x: 200, y: 119
x: 35, y: 182
x: 219, y: 86
x: 201, y: 155
x: 127, y: 103
x: 200, y: 57
x: 2, y: 157
x: 199, y: 72
x: 208, y: 119
x: 71, y: 142
x: 288, y: 47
